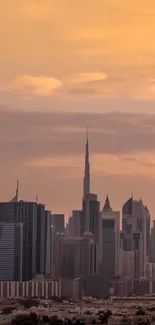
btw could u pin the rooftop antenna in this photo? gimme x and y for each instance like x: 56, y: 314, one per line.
x: 141, y: 201
x: 17, y: 191
x: 87, y: 132
x: 37, y: 199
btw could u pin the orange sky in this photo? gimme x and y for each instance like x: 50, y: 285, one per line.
x: 90, y: 57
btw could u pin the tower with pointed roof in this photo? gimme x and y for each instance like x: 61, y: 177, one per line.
x: 90, y: 216
x: 107, y: 206
x: 110, y: 239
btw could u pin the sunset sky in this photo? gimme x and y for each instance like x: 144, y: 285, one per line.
x: 65, y: 65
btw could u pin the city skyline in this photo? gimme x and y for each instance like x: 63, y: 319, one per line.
x: 64, y: 66
x: 86, y: 183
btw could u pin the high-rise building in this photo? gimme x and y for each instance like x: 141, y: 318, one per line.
x: 49, y: 244
x: 128, y: 264
x: 136, y: 229
x: 152, y: 243
x: 90, y: 214
x: 148, y: 225
x: 75, y: 223
x: 90, y: 220
x: 75, y: 256
x: 110, y: 241
x: 90, y: 204
x: 58, y: 222
x: 89, y: 254
x: 26, y: 213
x: 11, y: 249
x: 40, y: 239
x: 67, y: 256
x: 68, y: 227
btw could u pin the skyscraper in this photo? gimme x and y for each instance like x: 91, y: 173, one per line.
x: 58, y: 222
x: 49, y: 243
x: 91, y: 220
x: 40, y: 237
x: 67, y: 256
x: 152, y: 243
x: 75, y: 223
x: 75, y: 256
x: 110, y: 240
x: 26, y: 213
x: 148, y: 218
x: 86, y: 180
x: 91, y: 215
x: 135, y: 236
x: 88, y: 254
x: 11, y: 242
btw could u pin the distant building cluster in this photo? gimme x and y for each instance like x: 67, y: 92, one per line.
x: 91, y: 256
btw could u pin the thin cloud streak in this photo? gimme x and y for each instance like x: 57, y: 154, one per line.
x: 101, y: 164
x: 35, y: 134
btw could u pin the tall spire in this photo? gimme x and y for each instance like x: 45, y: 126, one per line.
x: 86, y: 180
x: 17, y: 191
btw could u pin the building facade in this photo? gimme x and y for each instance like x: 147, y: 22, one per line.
x: 75, y: 256
x: 110, y: 241
x: 29, y: 289
x: 135, y: 234
x: 40, y: 239
x: 11, y: 250
x: 58, y: 222
x: 25, y: 213
x: 49, y: 244
x: 152, y: 243
x: 91, y: 219
x: 75, y: 223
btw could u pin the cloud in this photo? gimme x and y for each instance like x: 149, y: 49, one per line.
x: 130, y: 84
x: 87, y: 77
x: 86, y: 85
x: 39, y: 85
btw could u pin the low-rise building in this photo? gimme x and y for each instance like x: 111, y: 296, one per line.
x: 48, y: 288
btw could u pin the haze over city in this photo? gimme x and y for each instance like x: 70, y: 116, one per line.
x: 67, y: 65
